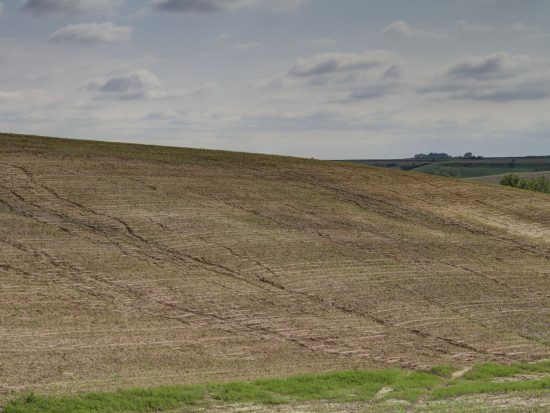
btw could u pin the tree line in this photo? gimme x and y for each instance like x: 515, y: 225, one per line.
x: 439, y: 156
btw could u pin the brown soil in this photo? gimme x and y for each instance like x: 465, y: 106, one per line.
x: 124, y: 265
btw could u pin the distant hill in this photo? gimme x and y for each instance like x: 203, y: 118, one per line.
x: 465, y: 168
x: 129, y: 265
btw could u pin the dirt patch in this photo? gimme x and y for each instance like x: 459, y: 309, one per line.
x: 318, y: 407
x: 520, y: 377
x: 462, y: 372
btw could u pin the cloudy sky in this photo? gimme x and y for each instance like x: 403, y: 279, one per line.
x: 323, y: 78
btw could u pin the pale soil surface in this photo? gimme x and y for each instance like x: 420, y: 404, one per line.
x: 502, y: 403
x: 125, y: 266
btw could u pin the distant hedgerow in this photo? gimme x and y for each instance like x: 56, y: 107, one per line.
x: 540, y: 184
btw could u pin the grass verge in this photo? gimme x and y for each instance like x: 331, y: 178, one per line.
x: 339, y: 387
x: 350, y: 386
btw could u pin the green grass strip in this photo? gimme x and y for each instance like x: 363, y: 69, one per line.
x: 339, y: 387
x: 349, y: 386
x: 486, y: 371
x: 480, y: 387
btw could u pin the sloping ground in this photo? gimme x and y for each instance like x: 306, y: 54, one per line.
x: 127, y: 265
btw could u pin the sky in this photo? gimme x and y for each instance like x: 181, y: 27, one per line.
x: 330, y: 79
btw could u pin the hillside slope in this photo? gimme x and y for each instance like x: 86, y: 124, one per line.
x: 127, y: 265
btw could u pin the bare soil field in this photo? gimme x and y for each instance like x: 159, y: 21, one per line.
x: 128, y: 265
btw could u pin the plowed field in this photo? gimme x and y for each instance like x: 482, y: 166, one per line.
x: 128, y: 265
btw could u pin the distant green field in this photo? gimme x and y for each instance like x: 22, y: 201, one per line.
x: 466, y: 168
x: 483, y: 168
x: 524, y: 380
x: 495, y: 179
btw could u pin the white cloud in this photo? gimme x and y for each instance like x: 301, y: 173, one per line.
x: 13, y: 95
x: 400, y: 28
x: 62, y: 7
x: 92, y: 33
x: 21, y: 96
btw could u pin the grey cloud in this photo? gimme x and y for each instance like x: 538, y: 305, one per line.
x: 92, y: 33
x: 443, y: 86
x: 358, y: 76
x: 328, y: 63
x: 389, y: 82
x: 495, y: 66
x: 373, y: 91
x: 498, y: 77
x: 212, y: 6
x: 394, y: 72
x: 490, y: 93
x: 129, y: 85
x: 495, y: 92
x: 43, y: 7
x: 522, y: 91
x: 141, y: 84
x: 194, y: 6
